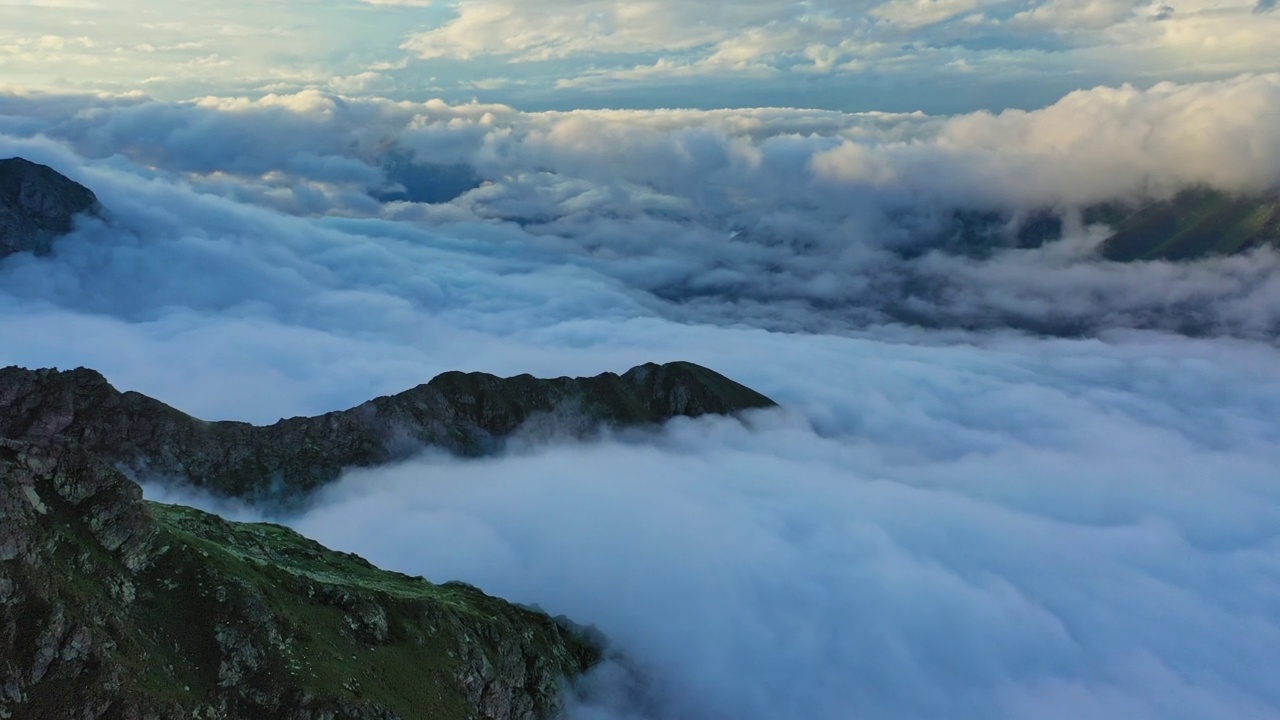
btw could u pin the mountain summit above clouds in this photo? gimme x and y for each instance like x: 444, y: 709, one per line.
x: 38, y: 205
x: 468, y: 414
x: 111, y: 606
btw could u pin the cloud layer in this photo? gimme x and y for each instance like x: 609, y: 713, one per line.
x: 781, y: 219
x: 1026, y: 530
x: 952, y: 517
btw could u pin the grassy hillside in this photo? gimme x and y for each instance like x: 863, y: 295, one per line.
x: 158, y: 611
x: 1196, y: 223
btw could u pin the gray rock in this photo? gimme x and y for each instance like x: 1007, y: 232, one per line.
x: 38, y: 205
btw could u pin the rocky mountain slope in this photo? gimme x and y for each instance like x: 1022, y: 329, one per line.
x: 38, y: 205
x: 116, y: 608
x: 466, y: 414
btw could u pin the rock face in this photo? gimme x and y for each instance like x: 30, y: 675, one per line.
x: 38, y: 205
x: 116, y: 608
x: 466, y: 414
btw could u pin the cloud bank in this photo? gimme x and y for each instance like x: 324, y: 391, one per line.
x: 1028, y: 530
x: 781, y: 219
x: 1008, y: 482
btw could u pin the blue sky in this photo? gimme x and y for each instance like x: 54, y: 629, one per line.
x: 939, y: 56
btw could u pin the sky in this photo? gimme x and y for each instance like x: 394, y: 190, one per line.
x: 1005, y: 481
x: 936, y: 56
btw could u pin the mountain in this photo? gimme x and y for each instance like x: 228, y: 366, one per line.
x: 467, y: 414
x: 113, y: 608
x: 1196, y: 223
x: 37, y: 206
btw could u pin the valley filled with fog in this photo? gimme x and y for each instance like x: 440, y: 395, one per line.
x: 1005, y: 481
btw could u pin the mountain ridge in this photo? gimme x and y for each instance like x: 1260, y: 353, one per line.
x: 467, y: 414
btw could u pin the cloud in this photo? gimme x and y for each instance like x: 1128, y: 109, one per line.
x: 1020, y: 530
x: 677, y: 41
x: 783, y: 219
x: 940, y: 56
x: 918, y: 13
x: 571, y: 27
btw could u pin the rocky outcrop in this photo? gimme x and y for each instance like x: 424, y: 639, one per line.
x: 37, y: 206
x: 463, y: 413
x: 115, y: 608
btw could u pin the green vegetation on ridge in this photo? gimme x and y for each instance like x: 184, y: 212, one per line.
x: 1196, y: 223
x: 165, y: 611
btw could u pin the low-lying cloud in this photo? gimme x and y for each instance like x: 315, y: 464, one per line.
x: 1028, y: 530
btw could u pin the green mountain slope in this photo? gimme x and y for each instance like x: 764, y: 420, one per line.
x: 1193, y: 224
x: 112, y: 607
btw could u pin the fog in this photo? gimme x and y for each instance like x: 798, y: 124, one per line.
x: 1016, y: 483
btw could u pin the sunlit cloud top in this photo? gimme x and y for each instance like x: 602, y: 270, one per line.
x: 904, y: 55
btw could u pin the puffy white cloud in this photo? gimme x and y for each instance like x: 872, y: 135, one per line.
x: 1090, y: 146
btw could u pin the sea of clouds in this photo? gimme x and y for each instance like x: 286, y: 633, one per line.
x: 950, y: 516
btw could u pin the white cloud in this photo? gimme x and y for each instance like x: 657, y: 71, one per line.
x: 1022, y: 530
x: 571, y: 27
x: 919, y: 13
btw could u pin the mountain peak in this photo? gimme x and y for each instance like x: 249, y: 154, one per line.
x: 38, y: 205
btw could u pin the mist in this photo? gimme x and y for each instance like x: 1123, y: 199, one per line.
x: 1017, y: 483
